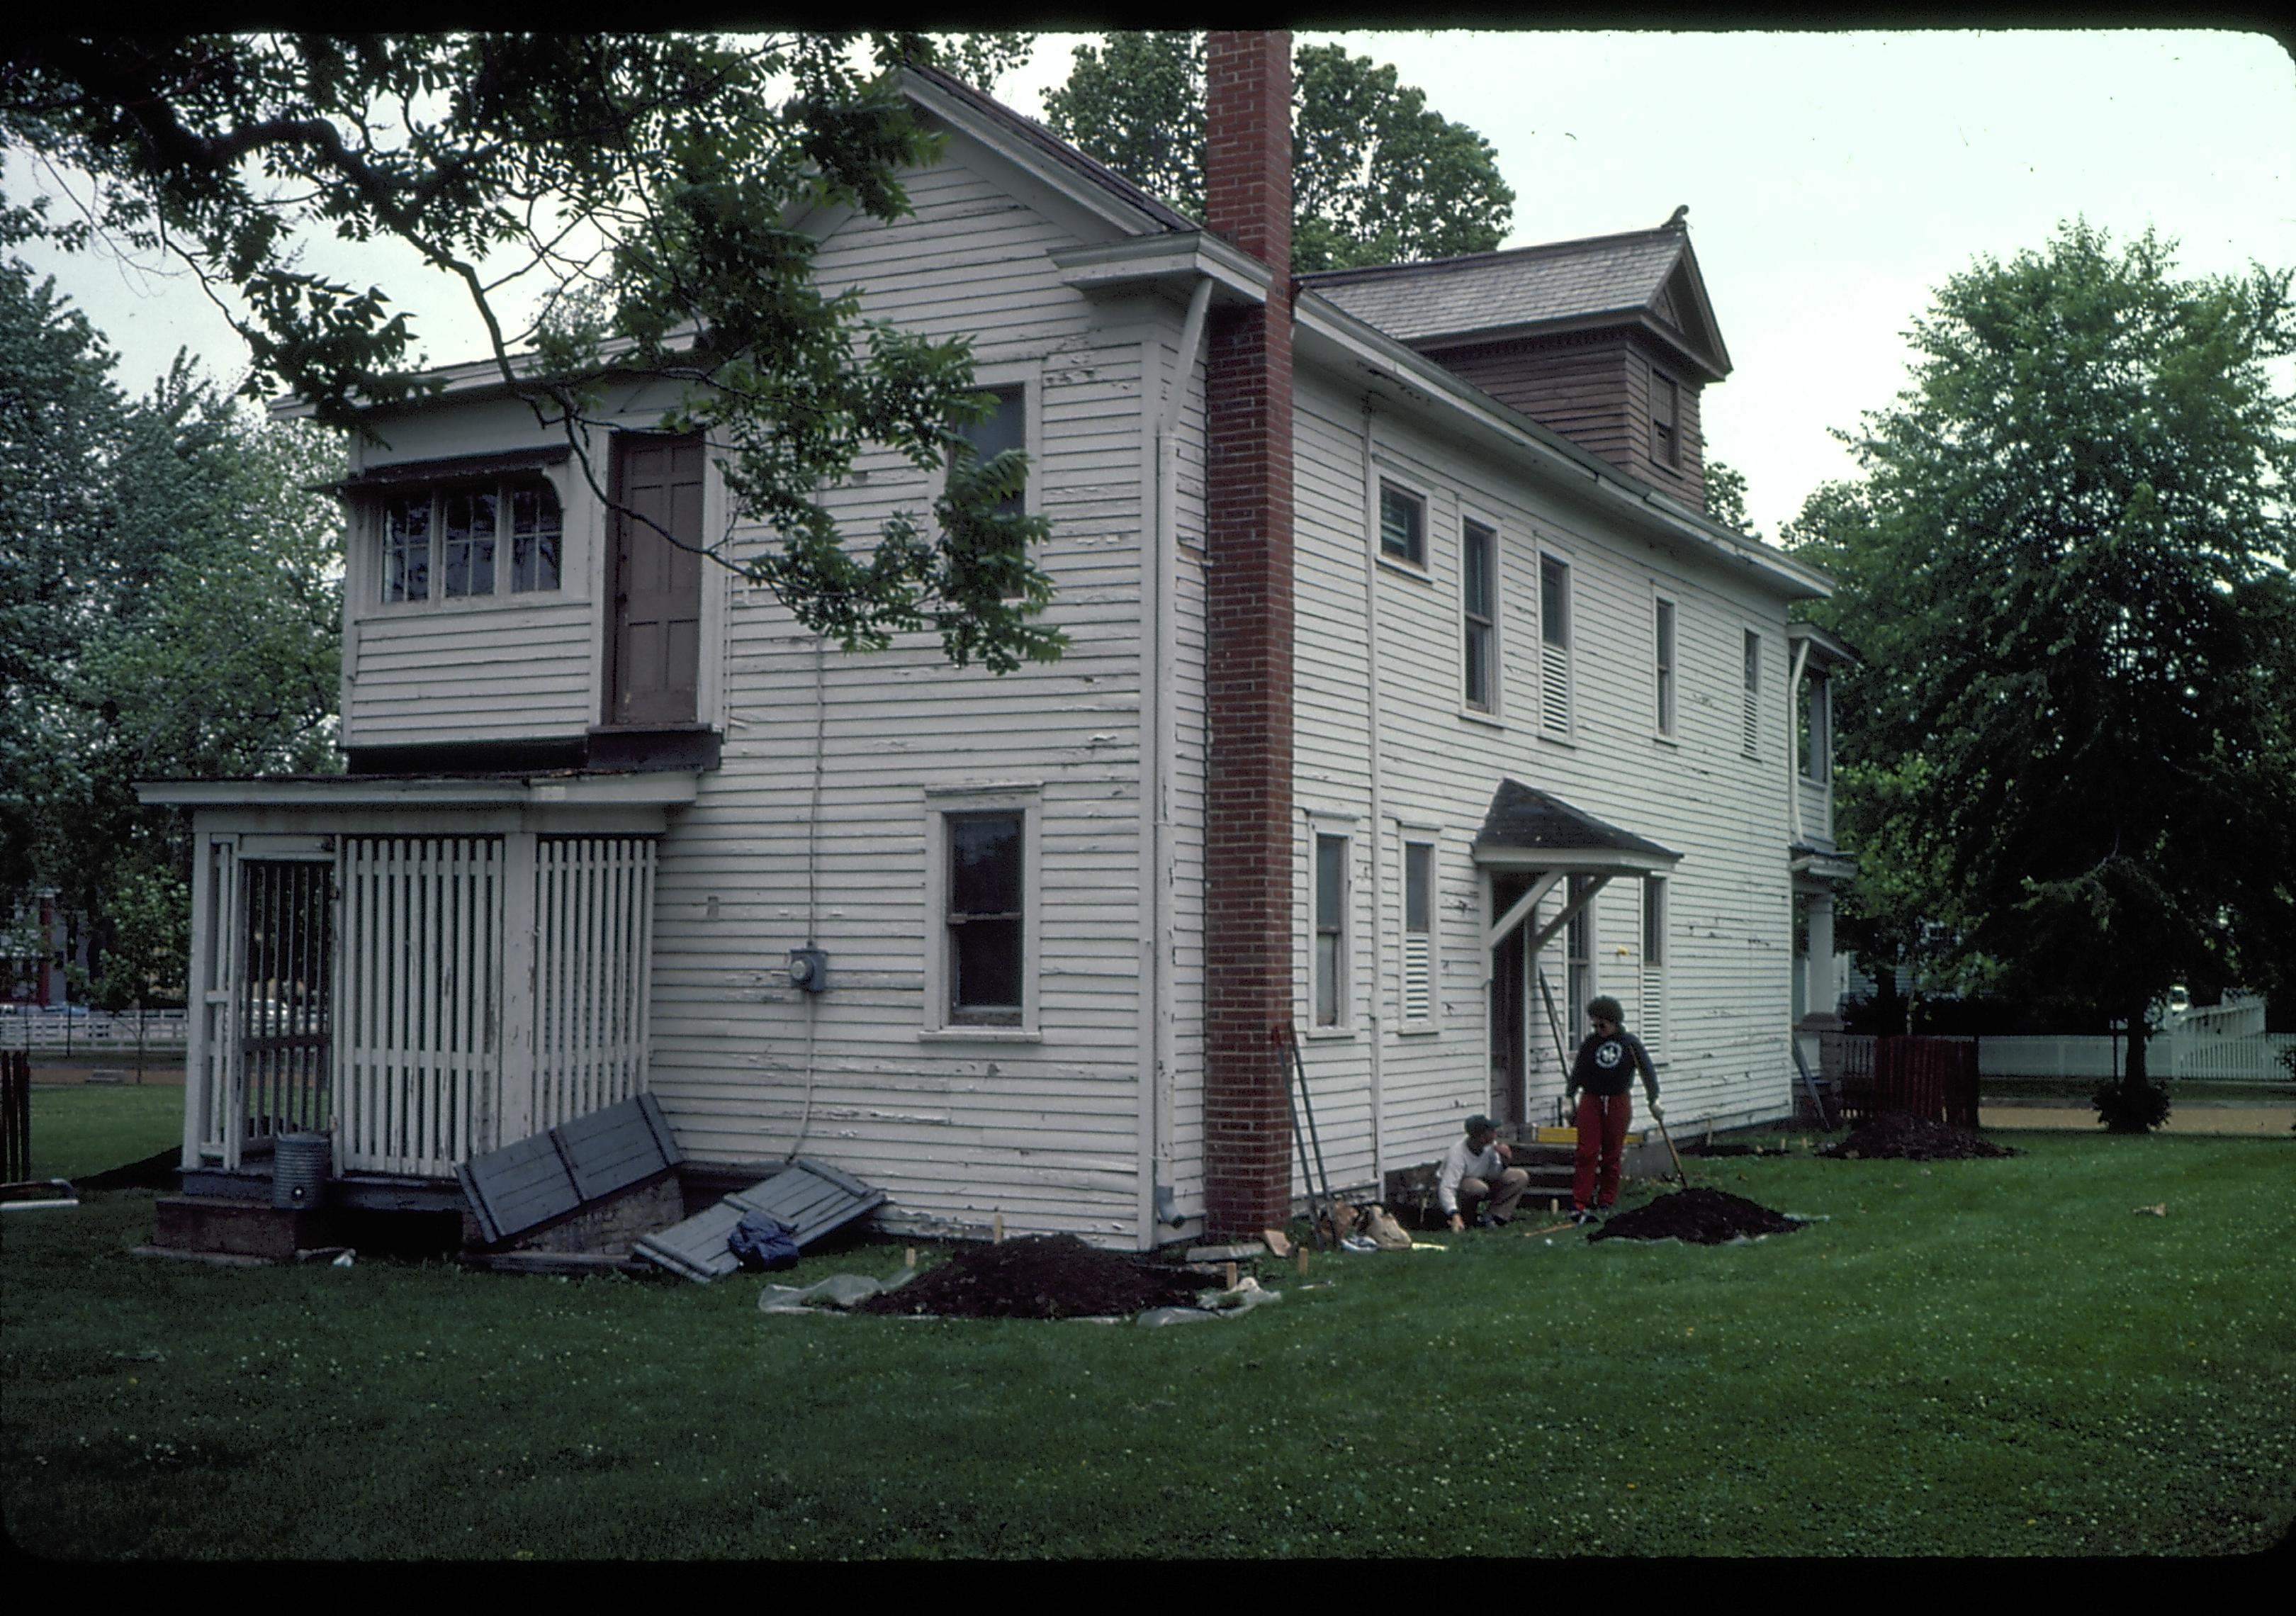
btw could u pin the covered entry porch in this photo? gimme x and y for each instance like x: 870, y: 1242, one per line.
x: 423, y: 969
x: 1542, y: 863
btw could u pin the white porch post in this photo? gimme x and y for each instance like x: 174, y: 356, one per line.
x: 514, y: 1103
x: 1824, y: 1004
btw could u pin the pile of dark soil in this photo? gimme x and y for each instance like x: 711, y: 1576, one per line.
x: 1706, y: 1218
x: 1044, y: 1276
x: 1890, y: 1135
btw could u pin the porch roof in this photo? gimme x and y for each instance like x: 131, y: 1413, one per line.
x: 1528, y: 829
x: 571, y: 788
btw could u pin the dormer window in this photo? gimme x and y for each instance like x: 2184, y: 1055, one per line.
x: 1665, y: 399
x: 467, y: 539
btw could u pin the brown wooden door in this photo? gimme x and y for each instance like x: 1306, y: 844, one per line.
x: 654, y: 654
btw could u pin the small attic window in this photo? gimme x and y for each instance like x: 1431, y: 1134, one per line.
x: 1665, y: 400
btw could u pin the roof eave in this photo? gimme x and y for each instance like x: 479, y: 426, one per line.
x: 665, y: 788
x: 1617, y: 861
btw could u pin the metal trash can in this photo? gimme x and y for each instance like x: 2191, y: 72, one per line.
x: 299, y: 1166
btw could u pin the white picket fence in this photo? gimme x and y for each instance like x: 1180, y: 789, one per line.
x: 97, y: 1032
x: 2185, y: 1054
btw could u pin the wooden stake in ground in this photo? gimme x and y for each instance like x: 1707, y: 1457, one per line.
x: 1227, y: 1274
x: 996, y: 1229
x: 909, y: 1258
x: 1300, y: 1260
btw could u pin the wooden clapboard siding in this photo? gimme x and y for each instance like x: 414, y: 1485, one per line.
x: 508, y: 668
x: 1046, y: 1132
x: 1594, y: 390
x: 1729, y: 930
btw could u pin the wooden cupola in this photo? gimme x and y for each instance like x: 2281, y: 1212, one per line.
x: 1608, y: 340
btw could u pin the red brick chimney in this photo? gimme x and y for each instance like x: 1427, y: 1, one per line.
x: 1250, y: 853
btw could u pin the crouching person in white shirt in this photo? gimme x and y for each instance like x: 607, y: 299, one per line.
x: 1476, y: 1181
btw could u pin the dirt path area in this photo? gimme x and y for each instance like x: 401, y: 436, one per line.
x: 2268, y: 1121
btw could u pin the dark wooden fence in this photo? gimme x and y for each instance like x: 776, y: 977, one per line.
x: 16, y: 1116
x: 1933, y: 1078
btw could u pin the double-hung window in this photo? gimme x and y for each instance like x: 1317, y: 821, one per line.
x: 1554, y: 644
x: 1478, y: 557
x: 471, y: 540
x: 982, y: 957
x: 1328, y: 965
x: 1814, y: 719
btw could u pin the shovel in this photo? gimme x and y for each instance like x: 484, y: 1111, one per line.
x: 1671, y: 1151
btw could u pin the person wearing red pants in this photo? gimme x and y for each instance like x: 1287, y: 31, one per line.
x: 1603, y: 1079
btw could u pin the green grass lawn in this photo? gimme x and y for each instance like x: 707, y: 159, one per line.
x: 1983, y: 1358
x: 79, y: 1130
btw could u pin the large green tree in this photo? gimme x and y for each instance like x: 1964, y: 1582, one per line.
x: 168, y: 608
x: 653, y: 186
x: 1378, y: 175
x: 2067, y: 568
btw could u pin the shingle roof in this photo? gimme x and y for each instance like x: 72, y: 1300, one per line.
x: 1040, y: 139
x: 1523, y: 817
x: 1484, y: 291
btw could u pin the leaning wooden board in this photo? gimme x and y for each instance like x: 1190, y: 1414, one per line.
x: 810, y: 1197
x: 525, y: 1184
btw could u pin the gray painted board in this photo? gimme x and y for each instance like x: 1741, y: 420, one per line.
x: 528, y: 1183
x: 811, y: 1198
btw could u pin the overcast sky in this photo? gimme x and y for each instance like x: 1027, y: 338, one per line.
x: 1833, y: 181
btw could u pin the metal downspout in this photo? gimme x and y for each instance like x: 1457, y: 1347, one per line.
x: 1378, y: 811
x: 1793, y: 745
x: 1161, y: 654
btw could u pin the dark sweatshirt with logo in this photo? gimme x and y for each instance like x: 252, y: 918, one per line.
x: 1607, y: 1063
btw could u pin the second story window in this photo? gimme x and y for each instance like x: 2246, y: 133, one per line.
x: 1752, y: 715
x: 1813, y: 719
x: 1554, y: 644
x: 454, y: 539
x: 1666, y: 666
x: 1004, y: 428
x: 1402, y: 525
x: 1479, y: 614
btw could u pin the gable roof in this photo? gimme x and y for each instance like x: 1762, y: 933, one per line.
x: 1033, y: 139
x: 1646, y: 277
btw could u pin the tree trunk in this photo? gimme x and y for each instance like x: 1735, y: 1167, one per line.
x: 2138, y: 1105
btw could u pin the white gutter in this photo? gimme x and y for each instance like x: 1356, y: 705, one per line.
x: 1159, y: 653
x: 1378, y: 800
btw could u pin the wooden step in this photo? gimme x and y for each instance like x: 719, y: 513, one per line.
x: 243, y: 1227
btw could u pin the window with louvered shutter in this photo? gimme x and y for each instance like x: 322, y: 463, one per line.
x: 1653, y: 1027
x: 1418, y: 931
x: 1665, y: 627
x: 1754, y: 712
x: 1554, y: 644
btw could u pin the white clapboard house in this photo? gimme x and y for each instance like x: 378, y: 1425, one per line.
x: 1528, y: 727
